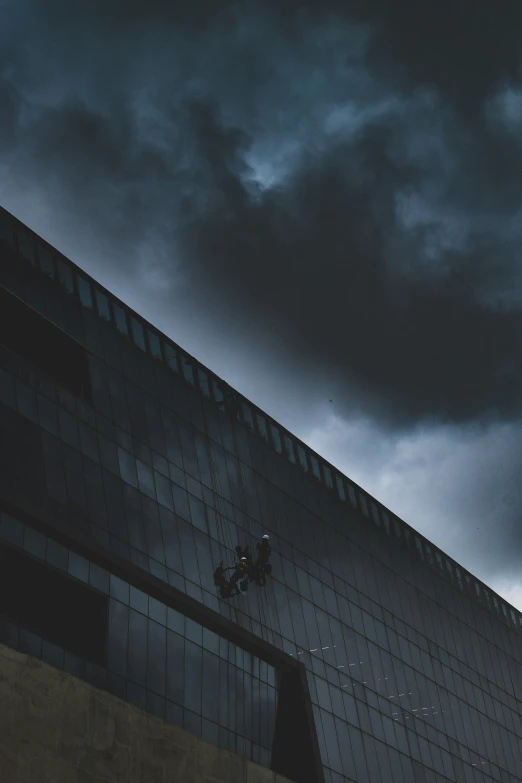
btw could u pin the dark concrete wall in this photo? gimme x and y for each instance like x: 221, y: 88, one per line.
x: 55, y: 728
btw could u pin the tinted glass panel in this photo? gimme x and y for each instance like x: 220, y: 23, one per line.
x: 65, y: 276
x: 247, y: 416
x: 328, y: 476
x: 171, y: 357
x: 120, y: 318
x: 84, y: 291
x: 46, y: 261
x: 276, y: 438
x: 204, y: 383
x: 315, y: 466
x: 37, y: 340
x: 26, y: 245
x: 188, y: 369
x: 6, y: 229
x: 289, y: 448
x: 302, y: 458
x: 261, y: 426
x: 102, y: 304
x: 340, y: 487
x: 48, y: 603
x: 137, y: 333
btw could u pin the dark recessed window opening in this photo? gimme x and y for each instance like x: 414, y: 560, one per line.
x: 36, y: 339
x: 52, y: 605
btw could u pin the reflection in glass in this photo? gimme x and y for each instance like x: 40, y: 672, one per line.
x: 188, y: 370
x: 301, y: 453
x: 328, y: 476
x: 204, y: 383
x: 289, y: 448
x: 84, y: 291
x: 171, y: 357
x: 154, y: 344
x: 45, y: 257
x: 276, y: 438
x: 137, y: 333
x: 26, y: 245
x: 247, y: 416
x: 120, y: 318
x: 102, y: 304
x: 261, y: 427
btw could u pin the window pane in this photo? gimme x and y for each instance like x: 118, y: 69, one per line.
x: 289, y: 448
x: 351, y: 493
x: 247, y: 416
x: 204, y: 383
x: 46, y: 260
x: 364, y: 504
x: 138, y: 334
x: 188, y: 369
x: 418, y: 546
x: 6, y: 229
x: 171, y: 357
x: 315, y: 466
x: 261, y: 426
x: 375, y: 514
x: 328, y: 476
x: 340, y: 488
x: 385, y: 521
x: 102, y: 303
x: 84, y: 290
x: 65, y: 276
x: 302, y: 458
x: 26, y: 245
x: 217, y: 391
x: 276, y: 438
x: 121, y: 318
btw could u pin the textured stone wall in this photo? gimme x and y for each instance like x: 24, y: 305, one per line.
x: 55, y: 728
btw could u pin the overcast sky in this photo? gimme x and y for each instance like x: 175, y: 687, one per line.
x: 318, y: 201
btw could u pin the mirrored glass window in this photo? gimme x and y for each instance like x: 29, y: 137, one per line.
x: 364, y: 504
x: 375, y: 514
x: 171, y: 357
x: 289, y: 448
x: 449, y: 569
x: 276, y: 438
x: 340, y: 487
x: 188, y: 369
x: 438, y: 560
x: 46, y: 260
x: 138, y: 334
x: 247, y: 416
x: 315, y: 467
x: 26, y: 245
x: 261, y: 427
x: 154, y: 344
x: 102, y: 305
x: 65, y: 276
x: 204, y: 383
x: 120, y: 317
x: 385, y: 521
x: 301, y: 453
x: 328, y: 476
x: 84, y: 292
x: 418, y: 547
x: 352, y: 494
x: 217, y: 391
x: 6, y: 229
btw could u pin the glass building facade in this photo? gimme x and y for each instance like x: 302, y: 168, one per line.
x: 132, y: 447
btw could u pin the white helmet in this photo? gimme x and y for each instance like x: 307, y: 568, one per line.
x: 265, y: 536
x: 243, y: 558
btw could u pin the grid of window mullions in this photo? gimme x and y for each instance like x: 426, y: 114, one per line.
x: 49, y: 259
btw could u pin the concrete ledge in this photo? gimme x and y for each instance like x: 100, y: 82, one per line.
x: 55, y: 728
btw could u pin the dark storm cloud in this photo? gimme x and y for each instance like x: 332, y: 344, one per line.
x: 384, y: 248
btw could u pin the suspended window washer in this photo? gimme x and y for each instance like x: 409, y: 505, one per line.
x: 225, y: 586
x: 241, y: 574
